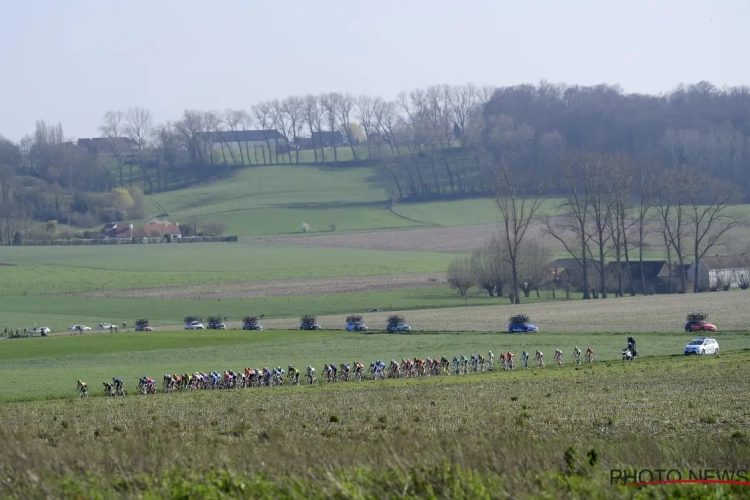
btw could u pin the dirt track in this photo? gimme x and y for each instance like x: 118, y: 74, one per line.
x: 278, y: 288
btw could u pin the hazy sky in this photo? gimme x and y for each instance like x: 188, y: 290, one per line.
x: 71, y: 61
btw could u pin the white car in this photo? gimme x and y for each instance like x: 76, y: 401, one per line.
x: 104, y: 326
x: 702, y: 345
x: 76, y: 328
x: 194, y: 325
x: 43, y: 330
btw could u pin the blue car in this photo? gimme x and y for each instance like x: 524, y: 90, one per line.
x: 522, y: 328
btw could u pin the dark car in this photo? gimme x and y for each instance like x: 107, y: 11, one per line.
x: 144, y: 328
x: 216, y: 325
x: 307, y: 326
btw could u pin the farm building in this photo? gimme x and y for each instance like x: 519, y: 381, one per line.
x: 115, y: 231
x: 327, y: 139
x: 718, y: 272
x: 162, y: 229
x: 244, y: 137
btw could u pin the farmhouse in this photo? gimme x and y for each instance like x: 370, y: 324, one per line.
x: 115, y: 231
x: 327, y: 139
x: 249, y: 137
x: 162, y: 229
x: 101, y: 144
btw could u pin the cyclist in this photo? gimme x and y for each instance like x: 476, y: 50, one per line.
x: 539, y: 358
x: 577, y: 354
x: 590, y: 354
x: 525, y: 359
x: 511, y: 360
x: 559, y: 356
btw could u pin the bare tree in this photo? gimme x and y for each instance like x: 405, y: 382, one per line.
x: 313, y: 114
x: 235, y: 120
x: 643, y: 210
x: 366, y: 119
x: 670, y: 202
x: 619, y: 224
x: 533, y: 266
x: 112, y: 128
x: 344, y: 105
x: 571, y: 227
x: 461, y: 277
x: 710, y: 216
x: 600, y: 209
x: 330, y: 103
x: 280, y: 121
x: 262, y: 112
x: 387, y: 121
x: 138, y: 124
x: 292, y: 107
x: 463, y: 100
x: 518, y: 199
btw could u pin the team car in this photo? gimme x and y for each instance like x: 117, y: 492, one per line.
x: 356, y: 327
x: 699, y: 326
x: 398, y: 328
x: 702, y: 345
x: 522, y: 328
x: 194, y: 325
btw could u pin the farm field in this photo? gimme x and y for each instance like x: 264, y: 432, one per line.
x: 52, y: 270
x: 47, y: 368
x: 430, y: 308
x: 529, y: 433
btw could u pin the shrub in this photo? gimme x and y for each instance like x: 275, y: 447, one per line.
x: 697, y: 316
x: 519, y: 319
x: 332, y: 226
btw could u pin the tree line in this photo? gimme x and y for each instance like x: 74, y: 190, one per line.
x: 429, y: 143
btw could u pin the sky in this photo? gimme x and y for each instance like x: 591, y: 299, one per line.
x: 72, y: 61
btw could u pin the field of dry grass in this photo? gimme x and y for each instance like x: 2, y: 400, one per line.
x: 657, y: 313
x: 277, y: 288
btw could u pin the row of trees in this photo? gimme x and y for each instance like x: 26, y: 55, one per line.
x: 490, y: 268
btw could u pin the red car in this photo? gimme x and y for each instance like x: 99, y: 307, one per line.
x: 144, y: 328
x: 699, y: 326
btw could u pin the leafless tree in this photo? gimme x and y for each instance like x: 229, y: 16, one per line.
x: 646, y: 191
x: 112, y: 128
x: 463, y: 101
x: 670, y: 203
x: 619, y: 224
x: 190, y: 129
x: 711, y: 216
x: 215, y: 126
x: 279, y: 120
x: 330, y: 103
x: 292, y: 107
x: 571, y: 227
x: 600, y: 210
x: 138, y: 124
x: 386, y: 122
x: 344, y: 105
x: 533, y: 266
x: 461, y: 277
x: 518, y: 199
x: 235, y: 118
x: 262, y: 112
x: 366, y: 118
x: 313, y: 113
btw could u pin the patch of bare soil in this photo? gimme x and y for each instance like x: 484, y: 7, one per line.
x: 278, y: 288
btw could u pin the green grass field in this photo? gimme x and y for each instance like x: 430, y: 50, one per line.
x: 70, y: 269
x: 47, y: 368
x: 551, y: 433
